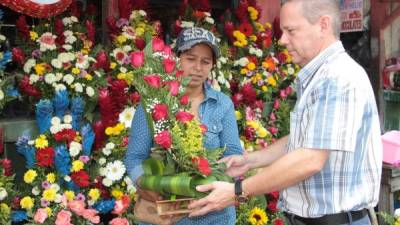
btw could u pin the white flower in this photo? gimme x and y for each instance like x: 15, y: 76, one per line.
x: 29, y: 64
x: 209, y: 20
x: 102, y: 171
x: 31, y: 142
x: 243, y: 61
x: 68, y: 33
x: 47, y: 42
x: 3, y: 193
x: 55, y: 120
x: 60, y: 87
x: 66, y: 21
x: 70, y: 39
x: 74, y: 148
x: 128, y: 180
x: 115, y: 170
x: 74, y: 19
x: 50, y: 78
x: 110, y: 145
x: 123, y: 69
x: 126, y: 116
x: 58, y: 198
x: 215, y: 85
x: 78, y: 87
x: 59, y: 76
x: 55, y: 129
x: 222, y: 59
x: 33, y: 78
x: 107, y: 182
x: 102, y: 161
x: 65, y: 57
x: 106, y: 151
x: 1, y: 95
x: 187, y: 24
x: 56, y: 63
x: 67, y: 118
x: 90, y: 91
x: 66, y: 126
x: 55, y: 187
x: 91, y: 202
x: 67, y: 178
x: 82, y: 61
x: 68, y: 79
x: 36, y: 190
x: 127, y: 48
x: 142, y: 13
x: 397, y: 213
x: 67, y: 47
x: 290, y: 70
x: 2, y: 37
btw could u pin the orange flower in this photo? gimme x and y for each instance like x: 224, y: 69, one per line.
x: 269, y: 64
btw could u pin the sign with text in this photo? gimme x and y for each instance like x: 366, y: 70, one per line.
x: 352, y: 15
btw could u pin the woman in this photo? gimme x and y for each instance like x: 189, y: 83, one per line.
x: 198, y: 52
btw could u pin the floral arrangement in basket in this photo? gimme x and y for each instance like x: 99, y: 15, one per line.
x: 179, y: 161
x: 6, y: 190
x: 59, y: 55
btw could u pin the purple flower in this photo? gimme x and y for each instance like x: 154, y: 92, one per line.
x: 80, y: 197
x: 45, y: 185
x: 84, y: 158
x: 122, y: 22
x: 36, y: 53
x: 44, y: 203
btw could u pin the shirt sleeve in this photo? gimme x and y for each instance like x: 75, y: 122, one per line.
x: 332, y: 117
x: 140, y: 143
x: 229, y: 134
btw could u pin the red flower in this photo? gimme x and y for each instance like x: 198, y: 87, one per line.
x: 157, y: 44
x: 281, y: 57
x: 179, y: 73
x: 272, y: 117
x: 169, y: 65
x: 249, y: 94
x: 45, y: 157
x: 184, y: 117
x: 237, y: 99
x: 125, y: 141
x: 163, y: 139
x: 29, y: 89
x: 249, y: 133
x: 91, y: 30
x: 277, y: 28
x: 173, y: 87
x: 22, y: 27
x: 241, y: 11
x: 7, y: 166
x: 140, y: 43
x: 273, y: 130
x: 199, y: 14
x: 135, y: 97
x: 229, y: 27
x: 202, y: 5
x: 274, y: 195
x: 184, y: 100
x: 276, y: 104
x: 137, y: 59
x: 278, y: 221
x: 167, y: 50
x: 80, y: 178
x: 289, y: 90
x: 15, y: 204
x: 160, y: 112
x: 246, y: 28
x: 100, y: 135
x: 153, y: 80
x: 203, y: 128
x: 282, y: 93
x: 58, y: 26
x: 272, y: 206
x: 177, y: 27
x: 18, y: 56
x: 203, y: 166
x: 113, y: 29
x: 102, y: 61
x: 67, y: 135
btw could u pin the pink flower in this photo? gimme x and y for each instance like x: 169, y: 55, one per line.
x: 77, y: 207
x: 40, y: 216
x: 119, y: 221
x: 163, y: 139
x: 173, y: 87
x: 272, y: 116
x: 122, y: 205
x: 273, y: 130
x: 169, y: 65
x: 184, y: 117
x: 276, y: 104
x: 179, y: 73
x: 167, y: 50
x: 137, y: 59
x: 283, y: 94
x: 289, y: 90
x: 203, y: 128
x: 91, y: 215
x: 157, y: 44
x: 153, y: 80
x: 140, y: 43
x: 160, y: 112
x: 64, y: 218
x: 184, y: 100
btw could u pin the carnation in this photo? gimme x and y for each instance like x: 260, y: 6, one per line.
x: 69, y: 79
x: 67, y: 118
x: 115, y: 170
x: 89, y: 91
x: 50, y: 78
x: 29, y: 64
x: 74, y: 148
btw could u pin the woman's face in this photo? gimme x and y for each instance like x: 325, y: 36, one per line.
x: 197, y: 63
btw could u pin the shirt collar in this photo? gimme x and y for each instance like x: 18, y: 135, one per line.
x: 308, y: 71
x: 209, y: 92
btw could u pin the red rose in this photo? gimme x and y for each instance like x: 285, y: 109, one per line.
x: 173, y: 87
x: 169, y: 65
x: 167, y: 50
x: 184, y: 117
x: 157, y: 44
x: 278, y: 222
x: 179, y: 73
x: 274, y: 195
x: 273, y: 130
x: 184, y: 100
x: 203, y: 128
x: 28, y: 88
x: 135, y: 97
x: 80, y: 178
x: 140, y: 43
x: 160, y: 112
x: 45, y: 157
x: 272, y: 207
x: 18, y: 56
x: 153, y: 80
x: 204, y: 166
x: 137, y: 59
x: 163, y: 139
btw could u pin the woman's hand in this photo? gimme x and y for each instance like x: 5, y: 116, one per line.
x: 148, y: 195
x: 236, y: 165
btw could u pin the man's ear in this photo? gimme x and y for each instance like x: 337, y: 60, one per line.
x: 325, y: 24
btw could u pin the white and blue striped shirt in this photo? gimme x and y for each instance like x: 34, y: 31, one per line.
x: 335, y: 111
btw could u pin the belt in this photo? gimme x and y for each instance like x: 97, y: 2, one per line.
x: 330, y: 219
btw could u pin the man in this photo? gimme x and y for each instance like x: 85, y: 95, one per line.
x: 328, y: 169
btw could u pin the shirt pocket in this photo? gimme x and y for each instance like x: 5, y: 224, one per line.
x: 214, y: 129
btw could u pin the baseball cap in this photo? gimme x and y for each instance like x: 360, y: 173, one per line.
x: 189, y: 37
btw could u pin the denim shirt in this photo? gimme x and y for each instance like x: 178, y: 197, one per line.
x: 218, y: 114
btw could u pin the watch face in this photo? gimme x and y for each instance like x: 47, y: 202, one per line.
x: 242, y: 199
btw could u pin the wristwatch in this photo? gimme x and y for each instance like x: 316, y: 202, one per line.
x: 240, y: 196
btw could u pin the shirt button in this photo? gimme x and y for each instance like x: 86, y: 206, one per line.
x: 215, y: 127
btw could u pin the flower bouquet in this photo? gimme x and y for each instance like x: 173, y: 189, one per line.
x: 179, y: 161
x: 391, y: 219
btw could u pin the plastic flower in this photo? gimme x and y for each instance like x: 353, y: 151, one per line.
x: 30, y: 176
x: 258, y: 216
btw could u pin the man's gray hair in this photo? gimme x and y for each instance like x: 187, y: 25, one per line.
x: 314, y: 9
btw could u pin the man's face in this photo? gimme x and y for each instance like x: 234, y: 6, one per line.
x: 302, y: 39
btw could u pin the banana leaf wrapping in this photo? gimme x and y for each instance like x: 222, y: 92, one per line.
x: 160, y: 178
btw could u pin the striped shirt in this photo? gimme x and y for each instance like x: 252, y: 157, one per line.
x: 335, y: 111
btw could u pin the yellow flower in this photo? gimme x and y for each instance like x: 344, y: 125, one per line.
x: 121, y: 39
x: 51, y: 178
x: 27, y: 202
x: 109, y: 131
x: 48, y: 211
x: 30, y: 176
x: 257, y: 216
x: 253, y: 13
x: 117, y: 194
x: 262, y: 132
x: 40, y: 68
x: 253, y: 124
x: 78, y: 138
x: 94, y: 194
x: 5, y: 209
x: 264, y: 88
x: 259, y: 26
x: 75, y: 70
x: 258, y: 76
x: 253, y: 37
x: 121, y: 76
x: 41, y: 142
x: 77, y: 165
x: 238, y: 115
x: 89, y: 77
x: 243, y: 71
x: 268, y: 25
x: 70, y: 195
x: 113, y: 65
x: 85, y: 51
x: 139, y: 31
x: 271, y: 80
x: 49, y: 194
x: 33, y: 35
x: 251, y: 66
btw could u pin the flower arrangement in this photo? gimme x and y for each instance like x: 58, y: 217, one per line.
x: 179, y: 150
x: 59, y: 56
x: 391, y: 219
x: 6, y: 190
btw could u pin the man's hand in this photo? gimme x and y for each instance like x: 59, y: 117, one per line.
x: 222, y: 195
x: 237, y: 165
